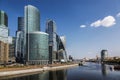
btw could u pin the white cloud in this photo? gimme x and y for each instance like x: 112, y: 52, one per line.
x: 82, y: 26
x: 118, y: 15
x: 105, y: 22
x: 96, y: 23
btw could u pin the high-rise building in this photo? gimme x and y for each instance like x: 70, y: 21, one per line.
x: 104, y: 54
x: 3, y: 19
x: 32, y: 19
x: 35, y: 42
x: 38, y: 48
x: 32, y: 23
x: 3, y: 27
x: 20, y: 23
x: 4, y: 46
x: 51, y: 30
x: 19, y: 48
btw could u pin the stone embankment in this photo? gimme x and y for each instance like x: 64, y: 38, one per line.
x: 34, y: 70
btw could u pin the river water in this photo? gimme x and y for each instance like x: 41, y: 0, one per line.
x: 90, y: 71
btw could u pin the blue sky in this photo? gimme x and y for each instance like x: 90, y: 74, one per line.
x: 89, y: 25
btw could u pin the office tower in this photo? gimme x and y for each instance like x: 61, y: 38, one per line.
x: 104, y: 54
x: 4, y: 46
x: 3, y: 27
x: 20, y: 23
x: 51, y: 30
x: 38, y: 48
x: 3, y: 19
x: 19, y: 48
x: 12, y: 49
x: 35, y: 42
x: 32, y: 19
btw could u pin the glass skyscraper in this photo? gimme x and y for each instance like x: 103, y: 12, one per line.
x: 35, y: 42
x: 32, y: 19
x: 19, y: 48
x: 20, y: 23
x: 3, y: 19
x: 51, y: 30
x: 3, y: 27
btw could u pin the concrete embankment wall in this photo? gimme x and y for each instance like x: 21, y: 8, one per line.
x: 32, y: 71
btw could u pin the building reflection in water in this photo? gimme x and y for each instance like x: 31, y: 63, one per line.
x: 58, y: 75
x: 104, y: 69
x: 47, y: 75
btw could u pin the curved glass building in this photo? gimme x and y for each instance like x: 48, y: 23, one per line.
x: 3, y: 18
x: 32, y: 19
x: 38, y: 52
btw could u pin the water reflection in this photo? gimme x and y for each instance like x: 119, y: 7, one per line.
x: 58, y: 75
x: 92, y: 71
x: 104, y: 69
x: 51, y: 75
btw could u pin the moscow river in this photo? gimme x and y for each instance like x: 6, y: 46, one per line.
x: 90, y: 71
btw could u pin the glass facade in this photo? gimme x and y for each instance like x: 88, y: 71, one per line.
x: 4, y: 34
x: 12, y: 49
x: 3, y: 27
x: 38, y: 48
x: 32, y: 24
x: 51, y: 30
x: 19, y: 51
x: 3, y: 19
x: 104, y: 54
x: 32, y: 19
x: 20, y: 23
x: 19, y: 48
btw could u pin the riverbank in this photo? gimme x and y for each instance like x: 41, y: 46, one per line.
x: 33, y: 70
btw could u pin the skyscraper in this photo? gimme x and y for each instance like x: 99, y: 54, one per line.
x: 35, y: 42
x: 3, y: 27
x: 20, y: 23
x: 32, y: 19
x: 104, y: 54
x: 4, y: 46
x: 51, y: 30
x: 3, y: 19
x: 19, y: 48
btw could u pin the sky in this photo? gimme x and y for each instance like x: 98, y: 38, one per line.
x: 89, y: 25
